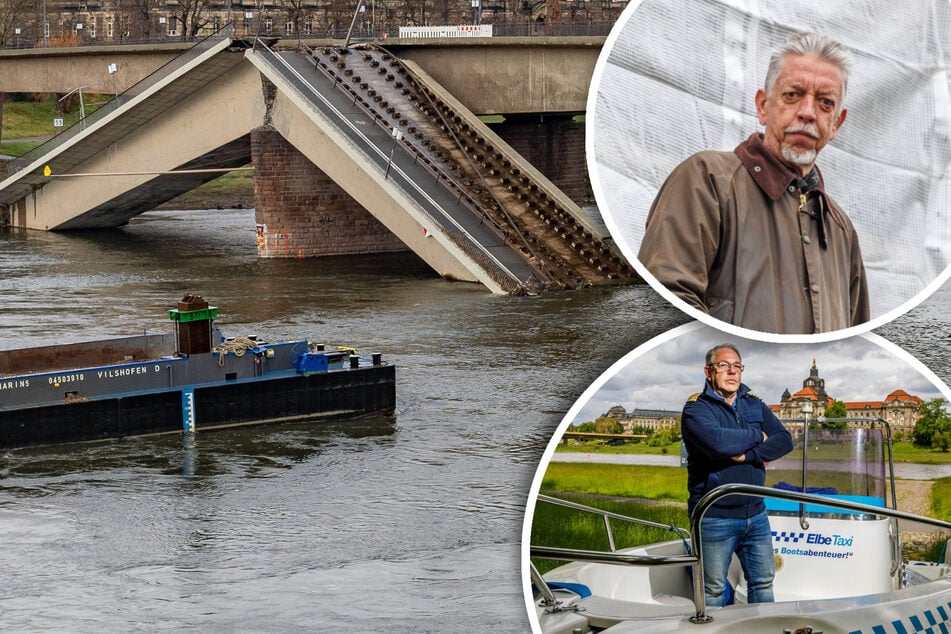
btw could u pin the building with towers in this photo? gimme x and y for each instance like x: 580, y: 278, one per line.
x: 899, y: 408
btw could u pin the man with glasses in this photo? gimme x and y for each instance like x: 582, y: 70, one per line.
x: 730, y: 434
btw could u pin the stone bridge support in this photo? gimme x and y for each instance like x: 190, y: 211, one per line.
x: 301, y: 212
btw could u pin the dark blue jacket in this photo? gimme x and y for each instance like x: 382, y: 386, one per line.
x: 713, y: 432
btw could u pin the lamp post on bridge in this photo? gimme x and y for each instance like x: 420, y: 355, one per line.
x: 113, y: 69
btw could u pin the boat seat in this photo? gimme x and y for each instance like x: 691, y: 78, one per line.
x: 604, y: 612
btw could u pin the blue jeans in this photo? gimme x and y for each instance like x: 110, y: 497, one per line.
x: 752, y: 542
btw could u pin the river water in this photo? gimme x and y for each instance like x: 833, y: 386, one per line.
x: 407, y: 524
x: 410, y: 523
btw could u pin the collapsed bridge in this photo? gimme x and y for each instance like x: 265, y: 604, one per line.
x: 419, y: 166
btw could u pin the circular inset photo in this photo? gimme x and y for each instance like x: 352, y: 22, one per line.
x: 779, y: 169
x: 746, y: 486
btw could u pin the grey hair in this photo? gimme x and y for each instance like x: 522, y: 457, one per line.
x: 821, y: 46
x: 713, y: 351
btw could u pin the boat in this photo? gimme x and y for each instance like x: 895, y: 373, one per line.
x: 188, y: 380
x: 837, y: 547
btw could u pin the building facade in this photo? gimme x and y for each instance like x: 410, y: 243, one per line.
x: 898, y: 408
x: 651, y: 420
x: 25, y: 24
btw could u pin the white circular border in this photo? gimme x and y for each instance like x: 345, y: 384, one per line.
x: 617, y: 235
x: 623, y: 362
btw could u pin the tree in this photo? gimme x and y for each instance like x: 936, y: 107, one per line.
x: 192, y: 14
x: 14, y: 14
x: 663, y: 437
x: 133, y: 19
x: 941, y: 440
x: 605, y: 425
x: 934, y: 420
x: 836, y: 409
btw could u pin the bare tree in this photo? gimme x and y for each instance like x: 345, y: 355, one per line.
x: 294, y: 12
x: 134, y: 19
x: 193, y: 14
x: 14, y: 14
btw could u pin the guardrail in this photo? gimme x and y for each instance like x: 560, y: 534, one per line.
x: 696, y: 559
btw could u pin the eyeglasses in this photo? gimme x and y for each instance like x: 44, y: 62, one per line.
x: 723, y: 366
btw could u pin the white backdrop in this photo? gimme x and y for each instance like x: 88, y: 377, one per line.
x: 679, y: 76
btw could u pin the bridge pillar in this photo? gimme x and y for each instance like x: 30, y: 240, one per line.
x: 554, y: 144
x: 301, y: 212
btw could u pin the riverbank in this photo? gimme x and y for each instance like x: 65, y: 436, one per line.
x: 234, y: 190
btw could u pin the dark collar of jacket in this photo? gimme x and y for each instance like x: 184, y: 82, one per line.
x: 773, y: 176
x: 710, y: 393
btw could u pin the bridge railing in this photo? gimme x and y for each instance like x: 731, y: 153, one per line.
x: 511, y: 28
x: 111, y: 106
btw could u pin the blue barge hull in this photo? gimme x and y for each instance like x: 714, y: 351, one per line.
x: 129, y: 387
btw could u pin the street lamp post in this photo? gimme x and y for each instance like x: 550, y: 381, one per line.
x: 45, y: 27
x: 113, y: 69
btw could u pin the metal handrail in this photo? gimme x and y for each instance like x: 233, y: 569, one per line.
x: 608, y: 515
x: 696, y: 559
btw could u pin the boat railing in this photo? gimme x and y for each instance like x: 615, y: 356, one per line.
x: 695, y: 558
x: 607, y: 516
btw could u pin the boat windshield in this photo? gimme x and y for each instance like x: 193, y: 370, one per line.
x: 840, y: 463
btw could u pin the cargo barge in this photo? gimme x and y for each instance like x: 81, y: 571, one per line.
x: 191, y: 379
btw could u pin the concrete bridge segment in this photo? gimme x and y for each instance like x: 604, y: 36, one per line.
x: 161, y: 130
x: 348, y: 144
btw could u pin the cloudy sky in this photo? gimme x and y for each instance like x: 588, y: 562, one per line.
x: 662, y: 373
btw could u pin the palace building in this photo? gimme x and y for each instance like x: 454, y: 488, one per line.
x: 899, y: 408
x: 647, y: 419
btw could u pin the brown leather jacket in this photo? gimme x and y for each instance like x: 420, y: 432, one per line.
x: 727, y: 234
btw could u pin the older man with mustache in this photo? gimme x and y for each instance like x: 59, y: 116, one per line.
x: 750, y: 236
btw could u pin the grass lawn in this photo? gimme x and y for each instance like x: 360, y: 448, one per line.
x: 907, y: 452
x: 635, y: 481
x: 227, y: 183
x: 28, y: 119
x: 941, y: 499
x: 18, y: 148
x: 598, y: 446
x: 566, y: 528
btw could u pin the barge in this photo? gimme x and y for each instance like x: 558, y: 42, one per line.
x: 189, y: 380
